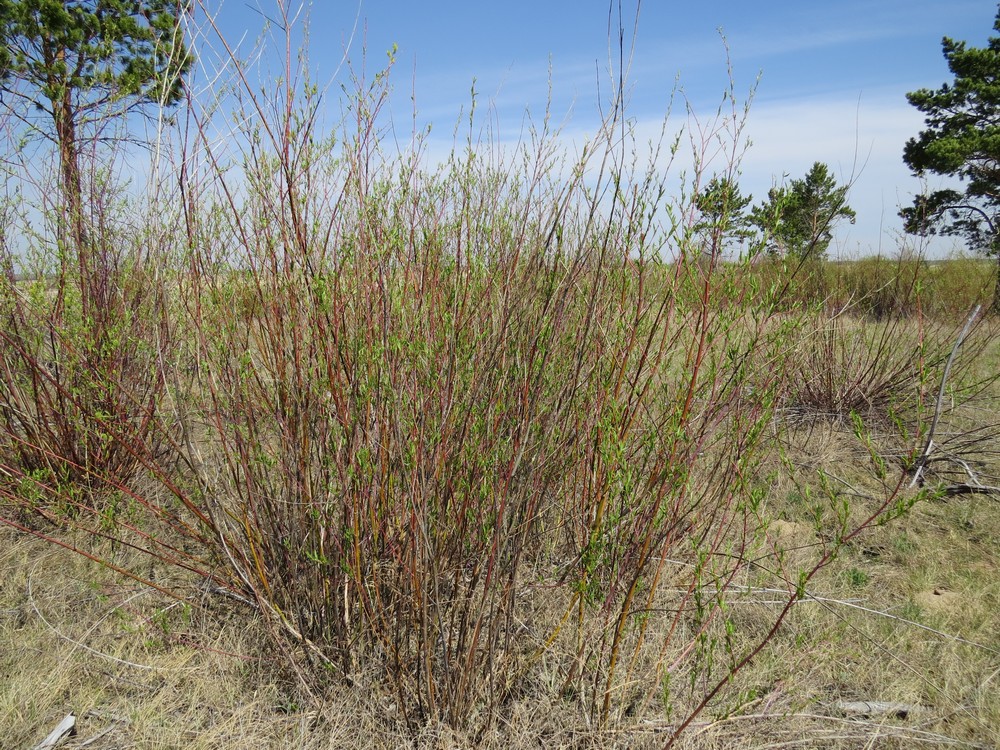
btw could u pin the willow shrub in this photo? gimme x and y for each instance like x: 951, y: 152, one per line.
x: 79, y: 386
x: 412, y: 406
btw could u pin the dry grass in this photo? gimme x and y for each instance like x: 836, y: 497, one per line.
x: 138, y: 670
x: 907, y: 613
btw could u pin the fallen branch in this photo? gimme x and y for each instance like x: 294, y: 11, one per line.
x: 967, y: 488
x: 64, y: 729
x: 972, y: 487
x: 870, y: 709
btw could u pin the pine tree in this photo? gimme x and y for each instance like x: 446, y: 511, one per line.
x: 962, y: 140
x: 798, y: 220
x: 79, y: 63
x: 722, y: 217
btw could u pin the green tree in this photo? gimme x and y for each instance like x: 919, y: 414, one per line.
x: 962, y: 139
x: 79, y: 63
x: 798, y: 220
x: 722, y: 215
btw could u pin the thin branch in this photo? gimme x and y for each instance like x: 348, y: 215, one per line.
x: 929, y: 445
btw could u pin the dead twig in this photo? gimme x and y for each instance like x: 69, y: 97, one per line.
x: 65, y: 728
x: 921, y: 462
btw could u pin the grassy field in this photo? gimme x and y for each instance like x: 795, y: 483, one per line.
x: 323, y: 446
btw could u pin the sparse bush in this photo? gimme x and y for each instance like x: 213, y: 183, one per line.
x: 79, y: 393
x: 846, y: 366
x: 455, y: 383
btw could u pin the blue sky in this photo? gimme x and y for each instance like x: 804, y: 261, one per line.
x: 833, y: 75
